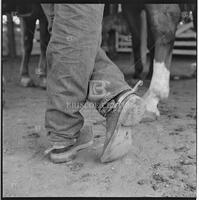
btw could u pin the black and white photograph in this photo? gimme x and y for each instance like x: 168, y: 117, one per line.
x: 99, y: 99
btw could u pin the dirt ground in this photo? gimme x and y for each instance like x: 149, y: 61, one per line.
x: 162, y: 161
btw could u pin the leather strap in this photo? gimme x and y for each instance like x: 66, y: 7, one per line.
x: 109, y: 106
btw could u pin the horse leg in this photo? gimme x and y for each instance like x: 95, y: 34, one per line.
x: 28, y: 28
x: 41, y: 71
x: 151, y: 47
x: 144, y: 39
x: 163, y: 19
x: 132, y: 15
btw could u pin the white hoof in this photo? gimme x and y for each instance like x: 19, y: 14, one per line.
x: 26, y: 82
x: 149, y: 117
x: 39, y: 72
x: 151, y: 102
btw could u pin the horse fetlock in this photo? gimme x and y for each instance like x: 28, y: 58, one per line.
x: 159, y: 86
x: 26, y: 81
x: 161, y: 91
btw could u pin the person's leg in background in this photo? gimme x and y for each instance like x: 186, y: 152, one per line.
x: 75, y: 58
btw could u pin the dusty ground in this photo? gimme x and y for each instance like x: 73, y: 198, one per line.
x: 162, y: 161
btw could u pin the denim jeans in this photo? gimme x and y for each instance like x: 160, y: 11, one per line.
x: 79, y: 69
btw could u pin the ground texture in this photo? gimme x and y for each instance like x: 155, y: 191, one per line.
x: 162, y: 161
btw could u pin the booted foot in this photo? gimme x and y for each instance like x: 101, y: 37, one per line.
x: 60, y: 153
x: 26, y: 81
x: 128, y: 112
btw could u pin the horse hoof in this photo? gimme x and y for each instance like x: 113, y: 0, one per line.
x: 26, y: 82
x: 149, y: 117
x: 39, y: 72
x: 43, y: 83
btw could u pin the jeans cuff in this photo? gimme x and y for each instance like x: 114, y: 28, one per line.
x: 61, y: 139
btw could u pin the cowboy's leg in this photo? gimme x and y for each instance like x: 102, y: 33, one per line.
x: 107, y: 81
x: 71, y: 56
x: 75, y: 58
x: 117, y: 102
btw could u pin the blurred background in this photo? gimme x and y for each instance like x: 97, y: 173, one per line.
x: 185, y: 36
